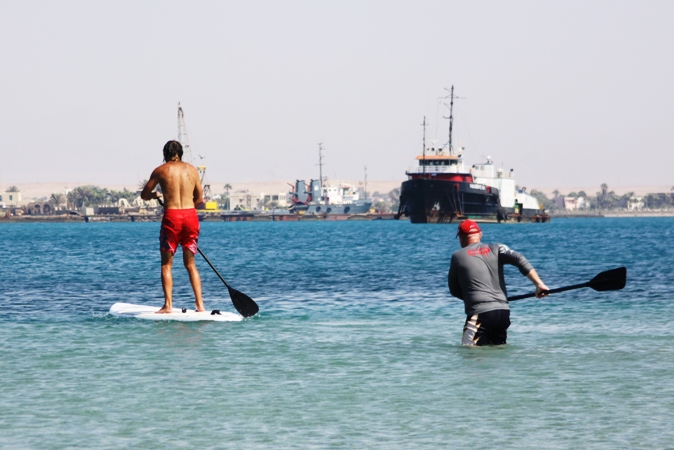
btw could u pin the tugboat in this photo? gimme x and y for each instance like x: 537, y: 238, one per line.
x: 440, y: 189
x: 319, y: 198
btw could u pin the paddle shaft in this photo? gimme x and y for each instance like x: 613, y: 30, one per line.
x: 551, y: 291
x: 213, y: 267
x: 609, y: 280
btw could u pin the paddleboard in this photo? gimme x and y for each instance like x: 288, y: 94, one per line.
x: 148, y: 313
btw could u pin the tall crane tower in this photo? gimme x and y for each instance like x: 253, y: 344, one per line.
x: 187, y: 152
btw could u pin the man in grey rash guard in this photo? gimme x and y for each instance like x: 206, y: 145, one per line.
x: 476, y: 277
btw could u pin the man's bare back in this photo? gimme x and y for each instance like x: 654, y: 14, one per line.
x: 182, y: 192
x: 180, y: 185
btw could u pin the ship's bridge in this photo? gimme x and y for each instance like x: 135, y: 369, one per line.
x: 438, y: 163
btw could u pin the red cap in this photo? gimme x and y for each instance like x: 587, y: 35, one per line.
x: 468, y: 227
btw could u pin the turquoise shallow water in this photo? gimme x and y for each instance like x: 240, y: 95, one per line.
x: 356, y: 345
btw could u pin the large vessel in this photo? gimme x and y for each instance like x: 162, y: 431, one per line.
x: 318, y: 197
x: 440, y: 189
x: 516, y: 203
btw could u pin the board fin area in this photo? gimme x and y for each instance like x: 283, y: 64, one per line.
x: 146, y: 312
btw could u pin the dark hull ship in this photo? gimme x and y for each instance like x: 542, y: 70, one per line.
x: 439, y: 189
x: 437, y: 200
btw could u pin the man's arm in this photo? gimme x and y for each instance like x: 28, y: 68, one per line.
x: 540, y: 286
x: 453, y: 280
x: 147, y: 193
x: 518, y: 260
x: 198, y: 193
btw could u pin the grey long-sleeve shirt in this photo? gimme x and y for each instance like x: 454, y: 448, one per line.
x: 476, y: 276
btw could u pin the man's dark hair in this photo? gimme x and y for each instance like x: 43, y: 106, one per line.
x: 171, y: 149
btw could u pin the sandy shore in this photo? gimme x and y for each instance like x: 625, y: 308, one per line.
x: 592, y: 190
x: 32, y: 191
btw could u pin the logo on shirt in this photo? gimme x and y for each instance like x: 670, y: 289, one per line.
x: 479, y: 251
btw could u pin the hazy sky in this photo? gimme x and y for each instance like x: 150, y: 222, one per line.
x: 567, y: 93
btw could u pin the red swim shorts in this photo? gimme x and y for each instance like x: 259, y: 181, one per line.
x: 179, y: 227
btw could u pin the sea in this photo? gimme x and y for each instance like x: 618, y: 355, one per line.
x: 356, y: 345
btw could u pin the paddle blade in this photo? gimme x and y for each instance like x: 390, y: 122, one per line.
x: 611, y: 280
x: 244, y: 304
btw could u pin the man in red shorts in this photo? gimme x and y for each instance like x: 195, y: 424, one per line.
x: 182, y: 192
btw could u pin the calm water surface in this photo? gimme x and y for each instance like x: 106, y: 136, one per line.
x: 356, y: 344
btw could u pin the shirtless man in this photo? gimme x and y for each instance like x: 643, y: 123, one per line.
x: 182, y: 194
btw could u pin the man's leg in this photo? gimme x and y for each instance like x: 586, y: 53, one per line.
x: 167, y: 282
x: 195, y: 278
x: 487, y: 328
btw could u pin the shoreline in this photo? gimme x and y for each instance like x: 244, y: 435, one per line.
x: 611, y: 214
x: 35, y: 190
x: 128, y: 218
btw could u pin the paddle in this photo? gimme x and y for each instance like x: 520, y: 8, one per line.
x: 610, y: 280
x: 244, y: 304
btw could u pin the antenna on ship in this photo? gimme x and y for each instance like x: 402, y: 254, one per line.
x: 365, y: 184
x: 451, y: 117
x: 423, y: 151
x: 320, y: 167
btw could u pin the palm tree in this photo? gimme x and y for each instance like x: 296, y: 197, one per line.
x: 12, y: 189
x: 602, y: 197
x: 82, y: 196
x: 227, y: 188
x: 394, y: 195
x: 141, y: 185
x: 125, y: 194
x: 57, y: 199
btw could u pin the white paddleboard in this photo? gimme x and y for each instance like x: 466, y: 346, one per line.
x: 148, y: 313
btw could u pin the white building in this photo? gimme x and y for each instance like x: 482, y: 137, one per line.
x: 247, y: 201
x: 10, y: 199
x: 635, y: 204
x: 573, y: 203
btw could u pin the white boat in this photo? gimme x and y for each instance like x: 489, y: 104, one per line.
x: 517, y: 203
x: 322, y: 198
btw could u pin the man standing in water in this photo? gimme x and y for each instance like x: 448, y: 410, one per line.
x: 182, y: 192
x: 476, y: 277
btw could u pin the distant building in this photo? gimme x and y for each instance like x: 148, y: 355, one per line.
x: 281, y: 199
x: 247, y: 201
x: 39, y: 209
x: 10, y: 199
x: 574, y: 203
x: 242, y: 201
x: 635, y: 204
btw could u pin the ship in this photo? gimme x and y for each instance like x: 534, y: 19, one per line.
x: 319, y: 197
x: 440, y: 189
x: 516, y: 203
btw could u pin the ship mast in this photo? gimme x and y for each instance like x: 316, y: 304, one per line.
x: 365, y: 186
x: 451, y: 117
x: 320, y: 168
x: 423, y: 150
